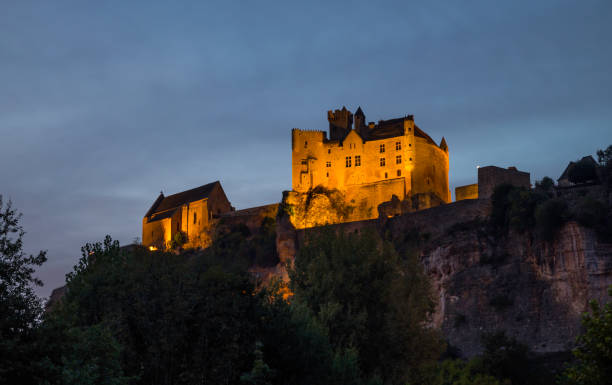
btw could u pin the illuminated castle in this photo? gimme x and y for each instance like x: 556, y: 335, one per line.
x: 371, y: 162
x: 343, y: 178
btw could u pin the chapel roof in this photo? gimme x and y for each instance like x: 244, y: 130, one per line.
x: 587, y: 158
x: 179, y: 199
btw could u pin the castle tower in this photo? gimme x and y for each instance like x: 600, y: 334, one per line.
x: 360, y: 125
x: 340, y: 123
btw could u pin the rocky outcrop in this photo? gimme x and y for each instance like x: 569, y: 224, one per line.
x: 535, y: 291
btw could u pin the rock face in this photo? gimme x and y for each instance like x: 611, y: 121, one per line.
x: 533, y: 290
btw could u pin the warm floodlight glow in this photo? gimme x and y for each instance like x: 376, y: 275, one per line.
x: 152, y: 248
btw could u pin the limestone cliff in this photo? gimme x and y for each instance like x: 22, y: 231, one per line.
x: 533, y: 290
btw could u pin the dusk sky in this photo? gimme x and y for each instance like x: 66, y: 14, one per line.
x: 104, y: 104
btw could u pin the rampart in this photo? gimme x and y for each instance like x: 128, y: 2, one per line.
x: 491, y: 176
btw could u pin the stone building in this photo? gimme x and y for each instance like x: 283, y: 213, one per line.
x: 190, y: 212
x: 371, y: 162
x: 490, y: 177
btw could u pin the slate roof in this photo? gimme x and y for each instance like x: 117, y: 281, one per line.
x: 179, y: 199
x: 158, y: 216
x: 395, y: 127
x: 587, y: 158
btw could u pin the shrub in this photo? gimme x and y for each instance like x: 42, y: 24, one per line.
x: 545, y: 185
x: 549, y: 217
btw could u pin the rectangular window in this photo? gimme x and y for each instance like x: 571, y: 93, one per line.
x: 398, y: 146
x: 195, y: 218
x: 348, y: 161
x: 327, y: 164
x: 386, y: 175
x: 382, y: 148
x: 329, y: 150
x: 306, y: 144
x: 382, y: 162
x: 399, y: 172
x: 398, y: 159
x: 357, y: 160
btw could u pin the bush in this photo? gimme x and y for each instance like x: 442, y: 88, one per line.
x: 545, y: 185
x: 596, y: 215
x: 593, y: 355
x: 514, y: 208
x: 549, y: 217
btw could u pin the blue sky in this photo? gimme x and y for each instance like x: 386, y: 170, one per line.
x: 104, y: 104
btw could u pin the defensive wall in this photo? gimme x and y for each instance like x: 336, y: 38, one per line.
x: 252, y: 217
x: 433, y: 221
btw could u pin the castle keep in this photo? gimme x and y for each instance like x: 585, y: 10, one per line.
x: 369, y: 163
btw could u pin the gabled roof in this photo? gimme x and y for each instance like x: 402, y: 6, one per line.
x: 179, y: 199
x: 387, y: 129
x: 587, y: 158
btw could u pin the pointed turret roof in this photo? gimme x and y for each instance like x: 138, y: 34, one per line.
x: 359, y: 111
x: 443, y: 144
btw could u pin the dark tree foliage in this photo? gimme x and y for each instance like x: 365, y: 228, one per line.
x: 582, y: 171
x: 550, y: 216
x: 593, y: 365
x: 177, y: 319
x: 595, y: 214
x: 514, y: 208
x: 372, y: 302
x: 604, y: 156
x: 605, y: 161
x: 545, y: 185
x: 20, y: 308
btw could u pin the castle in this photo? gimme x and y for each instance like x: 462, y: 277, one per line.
x: 370, y: 163
x: 362, y: 171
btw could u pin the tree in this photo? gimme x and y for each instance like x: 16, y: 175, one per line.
x: 545, y: 185
x: 167, y: 318
x: 604, y: 156
x: 605, y: 161
x: 20, y: 308
x: 369, y: 299
x: 593, y: 355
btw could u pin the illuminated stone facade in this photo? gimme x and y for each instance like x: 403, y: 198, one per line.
x: 369, y: 163
x: 191, y: 212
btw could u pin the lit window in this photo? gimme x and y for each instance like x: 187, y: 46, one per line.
x: 327, y: 164
x: 348, y: 161
x: 195, y: 218
x: 398, y: 159
x: 399, y: 172
x: 382, y: 161
x: 357, y: 160
x: 382, y: 148
x: 398, y: 145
